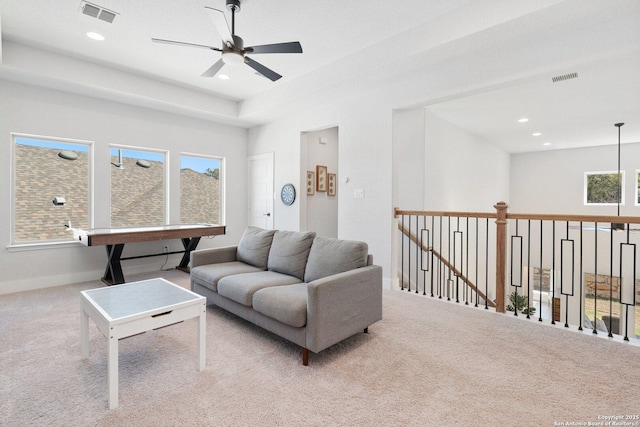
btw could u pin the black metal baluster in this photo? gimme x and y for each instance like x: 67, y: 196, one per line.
x: 540, y: 271
x: 486, y: 267
x: 611, y: 278
x: 409, y: 258
x: 581, y: 283
x: 553, y: 268
x: 402, y: 256
x: 571, y: 244
x: 422, y: 247
x: 449, y: 258
x: 418, y: 250
x: 457, y: 268
x: 528, y: 268
x: 466, y: 288
x: 595, y: 284
x: 517, y: 285
x: 431, y: 246
x: 628, y: 282
x: 477, y: 259
x: 440, y: 275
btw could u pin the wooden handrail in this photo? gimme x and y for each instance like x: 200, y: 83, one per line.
x: 458, y: 273
x: 502, y: 217
x: 545, y: 217
x: 397, y: 212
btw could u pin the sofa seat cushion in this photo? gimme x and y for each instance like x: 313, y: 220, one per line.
x: 241, y: 287
x: 289, y: 252
x: 287, y: 304
x: 254, y: 246
x: 208, y: 275
x: 332, y: 256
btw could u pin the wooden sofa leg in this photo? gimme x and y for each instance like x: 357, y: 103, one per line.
x: 305, y: 356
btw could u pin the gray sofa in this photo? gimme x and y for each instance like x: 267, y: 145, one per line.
x: 312, y: 291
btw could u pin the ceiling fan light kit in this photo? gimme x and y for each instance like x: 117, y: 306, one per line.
x: 233, y: 51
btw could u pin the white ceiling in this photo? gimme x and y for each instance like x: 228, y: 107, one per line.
x: 479, y: 64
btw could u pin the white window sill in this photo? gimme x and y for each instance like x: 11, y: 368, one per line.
x: 44, y: 245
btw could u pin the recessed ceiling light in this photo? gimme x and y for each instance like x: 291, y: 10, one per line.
x: 546, y: 144
x: 95, y: 36
x: 536, y: 134
x: 223, y: 77
x: 523, y: 120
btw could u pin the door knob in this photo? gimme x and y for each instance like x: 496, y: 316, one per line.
x: 266, y: 214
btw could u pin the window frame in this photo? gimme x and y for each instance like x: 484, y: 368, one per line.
x: 586, y: 183
x: 45, y: 244
x: 221, y: 179
x: 167, y: 177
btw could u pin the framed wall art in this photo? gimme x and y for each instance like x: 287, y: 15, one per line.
x: 311, y: 183
x: 332, y: 184
x: 321, y: 178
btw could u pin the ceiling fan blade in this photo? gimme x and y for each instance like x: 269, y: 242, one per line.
x: 290, y: 47
x: 185, y: 44
x: 213, y: 69
x: 270, y: 74
x: 220, y: 22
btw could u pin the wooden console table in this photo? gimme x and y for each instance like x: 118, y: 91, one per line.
x: 115, y: 238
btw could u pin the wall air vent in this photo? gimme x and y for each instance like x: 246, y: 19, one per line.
x: 564, y: 77
x: 98, y: 12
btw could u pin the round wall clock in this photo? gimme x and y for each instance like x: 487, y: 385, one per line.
x: 288, y: 194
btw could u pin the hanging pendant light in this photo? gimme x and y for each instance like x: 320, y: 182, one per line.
x: 618, y: 225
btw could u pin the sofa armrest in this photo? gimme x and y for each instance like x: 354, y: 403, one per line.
x: 342, y: 305
x: 213, y: 256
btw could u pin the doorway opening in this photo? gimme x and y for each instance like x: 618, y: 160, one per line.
x: 319, y: 192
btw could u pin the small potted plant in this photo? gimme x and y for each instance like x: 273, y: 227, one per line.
x: 521, y: 303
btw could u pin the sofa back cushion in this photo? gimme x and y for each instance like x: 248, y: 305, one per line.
x: 254, y: 246
x: 289, y: 252
x: 332, y: 256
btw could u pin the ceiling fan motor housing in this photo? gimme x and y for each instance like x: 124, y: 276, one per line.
x: 233, y: 5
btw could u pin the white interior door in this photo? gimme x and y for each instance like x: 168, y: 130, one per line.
x: 260, y: 190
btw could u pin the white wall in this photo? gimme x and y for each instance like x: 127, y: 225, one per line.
x: 39, y: 111
x: 364, y: 155
x: 440, y: 167
x: 409, y: 159
x: 553, y: 181
x: 322, y: 209
x: 462, y: 171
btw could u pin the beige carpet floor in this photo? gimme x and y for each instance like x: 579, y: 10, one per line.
x: 427, y: 363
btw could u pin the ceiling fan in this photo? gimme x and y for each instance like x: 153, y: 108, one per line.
x: 233, y: 50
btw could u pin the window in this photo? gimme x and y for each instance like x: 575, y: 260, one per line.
x: 138, y: 187
x: 603, y: 188
x: 201, y: 189
x: 51, y: 188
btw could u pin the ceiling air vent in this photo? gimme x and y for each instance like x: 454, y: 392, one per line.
x: 564, y: 77
x: 99, y: 12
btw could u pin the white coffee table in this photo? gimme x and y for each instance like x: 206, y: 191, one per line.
x: 124, y: 310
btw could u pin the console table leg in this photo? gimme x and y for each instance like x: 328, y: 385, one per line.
x: 113, y: 273
x: 189, y: 244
